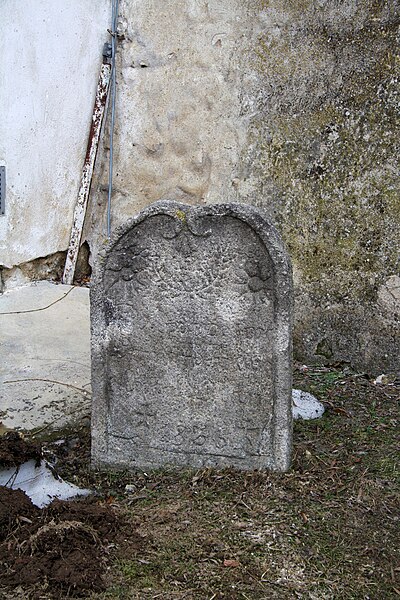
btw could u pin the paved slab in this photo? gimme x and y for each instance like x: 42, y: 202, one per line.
x: 44, y: 356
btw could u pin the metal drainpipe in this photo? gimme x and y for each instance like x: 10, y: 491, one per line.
x: 114, y: 20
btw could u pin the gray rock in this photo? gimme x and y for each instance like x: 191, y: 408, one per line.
x: 191, y: 314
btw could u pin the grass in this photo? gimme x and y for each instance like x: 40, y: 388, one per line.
x: 327, y: 529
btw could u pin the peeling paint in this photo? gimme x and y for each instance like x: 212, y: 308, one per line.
x: 87, y: 172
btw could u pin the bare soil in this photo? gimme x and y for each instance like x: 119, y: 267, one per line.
x: 15, y: 450
x: 328, y: 529
x: 61, y: 551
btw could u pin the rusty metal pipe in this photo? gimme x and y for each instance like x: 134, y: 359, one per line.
x: 87, y: 171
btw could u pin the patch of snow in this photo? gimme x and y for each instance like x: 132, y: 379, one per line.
x: 306, y: 406
x: 39, y: 483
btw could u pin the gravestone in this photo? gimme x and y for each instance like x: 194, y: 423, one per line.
x: 191, y: 313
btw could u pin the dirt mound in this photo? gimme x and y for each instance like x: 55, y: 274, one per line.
x: 15, y: 509
x: 15, y: 450
x: 65, y: 555
x: 100, y: 518
x: 63, y: 549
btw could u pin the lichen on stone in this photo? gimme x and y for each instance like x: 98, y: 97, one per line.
x: 323, y: 145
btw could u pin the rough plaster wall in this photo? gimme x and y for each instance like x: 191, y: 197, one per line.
x: 50, y: 55
x: 323, y: 154
x: 290, y: 106
x: 179, y: 129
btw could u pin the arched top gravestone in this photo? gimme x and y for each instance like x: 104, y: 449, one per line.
x: 191, y: 312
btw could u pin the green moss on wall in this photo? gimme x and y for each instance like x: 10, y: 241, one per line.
x: 327, y: 140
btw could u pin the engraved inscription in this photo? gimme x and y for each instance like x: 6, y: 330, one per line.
x: 189, y: 306
x: 196, y: 309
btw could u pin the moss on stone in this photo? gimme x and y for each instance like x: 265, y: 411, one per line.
x: 329, y: 143
x: 181, y: 215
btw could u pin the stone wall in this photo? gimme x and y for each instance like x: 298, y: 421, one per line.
x: 323, y: 150
x: 290, y: 106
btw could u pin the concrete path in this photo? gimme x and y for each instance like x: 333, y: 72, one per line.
x: 44, y: 356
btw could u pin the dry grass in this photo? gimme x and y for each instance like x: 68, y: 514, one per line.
x: 328, y: 529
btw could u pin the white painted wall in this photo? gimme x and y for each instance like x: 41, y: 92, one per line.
x: 51, y: 51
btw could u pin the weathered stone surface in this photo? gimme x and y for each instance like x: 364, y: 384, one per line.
x: 44, y: 357
x: 191, y: 341
x: 291, y: 106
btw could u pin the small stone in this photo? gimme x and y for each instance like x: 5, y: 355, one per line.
x: 306, y: 406
x: 384, y: 379
x: 130, y: 488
